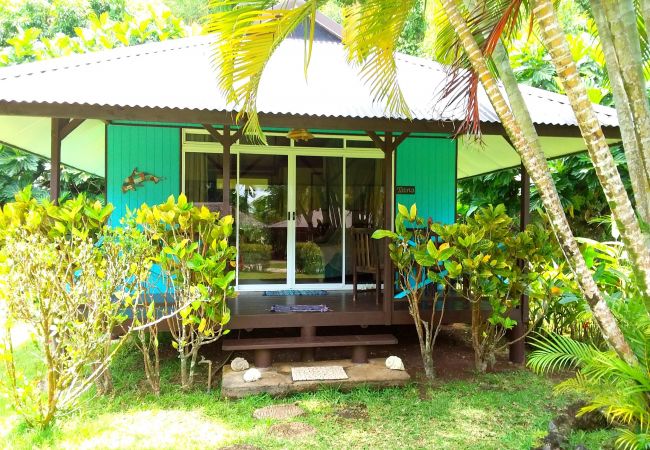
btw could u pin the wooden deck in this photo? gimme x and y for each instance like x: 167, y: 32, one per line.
x: 251, y: 310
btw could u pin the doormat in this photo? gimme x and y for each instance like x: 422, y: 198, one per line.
x: 289, y: 292
x: 318, y: 373
x: 299, y: 308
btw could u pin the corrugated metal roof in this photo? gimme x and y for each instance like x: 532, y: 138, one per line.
x: 178, y: 75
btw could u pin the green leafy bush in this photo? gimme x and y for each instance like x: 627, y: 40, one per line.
x: 309, y: 258
x: 193, y: 251
x: 498, y: 264
x: 419, y: 262
x: 59, y: 279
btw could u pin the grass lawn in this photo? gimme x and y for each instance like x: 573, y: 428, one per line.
x: 509, y: 410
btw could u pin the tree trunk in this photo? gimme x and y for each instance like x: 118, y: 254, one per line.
x: 533, y: 159
x: 636, y: 167
x: 599, y: 152
x: 626, y: 43
x: 479, y: 363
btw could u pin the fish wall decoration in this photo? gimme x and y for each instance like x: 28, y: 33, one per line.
x: 136, y: 180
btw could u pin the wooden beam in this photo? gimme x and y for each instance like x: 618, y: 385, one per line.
x: 150, y: 114
x: 57, y: 125
x: 381, y: 144
x: 400, y: 139
x: 69, y: 126
x: 214, y: 133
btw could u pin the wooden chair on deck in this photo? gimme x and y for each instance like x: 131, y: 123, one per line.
x: 366, y: 259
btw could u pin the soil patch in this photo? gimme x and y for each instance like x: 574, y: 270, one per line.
x: 290, y: 430
x: 279, y: 412
x: 353, y: 412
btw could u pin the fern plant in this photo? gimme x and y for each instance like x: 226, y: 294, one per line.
x: 618, y: 390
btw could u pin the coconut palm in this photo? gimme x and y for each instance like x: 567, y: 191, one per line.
x: 556, y: 43
x: 249, y: 32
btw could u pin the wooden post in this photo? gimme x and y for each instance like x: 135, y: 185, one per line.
x: 226, y: 170
x: 518, y: 348
x: 388, y: 224
x: 226, y: 140
x: 55, y: 160
x: 60, y: 129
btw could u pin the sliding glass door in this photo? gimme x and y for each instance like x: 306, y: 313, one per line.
x: 262, y: 197
x: 319, y: 220
x: 294, y: 206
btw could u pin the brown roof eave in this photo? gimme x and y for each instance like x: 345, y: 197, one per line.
x: 172, y: 115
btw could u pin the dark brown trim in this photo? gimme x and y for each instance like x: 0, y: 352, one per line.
x: 70, y: 127
x: 173, y: 115
x: 181, y: 162
x: 106, y: 162
x: 57, y: 125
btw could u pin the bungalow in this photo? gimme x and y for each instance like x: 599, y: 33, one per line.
x: 335, y: 160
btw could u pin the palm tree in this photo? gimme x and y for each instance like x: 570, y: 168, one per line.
x: 249, y: 34
x: 625, y: 25
x: 528, y: 146
x: 635, y: 242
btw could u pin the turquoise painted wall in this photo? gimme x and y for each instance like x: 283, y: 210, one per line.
x: 429, y: 164
x: 155, y: 150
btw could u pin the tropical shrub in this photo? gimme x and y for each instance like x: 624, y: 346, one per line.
x: 59, y: 279
x: 193, y: 251
x: 618, y: 389
x: 309, y: 258
x: 498, y: 264
x: 420, y: 262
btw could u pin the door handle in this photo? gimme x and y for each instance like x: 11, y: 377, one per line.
x: 294, y: 215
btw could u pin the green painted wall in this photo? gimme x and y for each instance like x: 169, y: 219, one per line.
x: 155, y: 150
x: 429, y: 164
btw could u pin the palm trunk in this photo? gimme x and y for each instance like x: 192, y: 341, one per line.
x: 599, y: 152
x: 636, y: 167
x: 622, y: 20
x: 533, y: 159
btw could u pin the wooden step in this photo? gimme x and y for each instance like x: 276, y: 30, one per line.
x: 263, y: 346
x: 306, y: 342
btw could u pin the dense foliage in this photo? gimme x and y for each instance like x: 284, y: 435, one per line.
x: 191, y: 246
x: 74, y: 282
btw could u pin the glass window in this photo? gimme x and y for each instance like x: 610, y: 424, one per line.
x: 321, y: 142
x: 364, y: 204
x: 199, y: 137
x: 204, y: 178
x: 359, y: 144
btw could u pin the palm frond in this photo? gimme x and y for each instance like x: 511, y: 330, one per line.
x: 249, y: 32
x: 557, y: 352
x: 631, y: 440
x: 371, y: 32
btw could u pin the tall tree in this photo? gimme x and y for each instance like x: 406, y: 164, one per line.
x: 522, y: 134
x: 635, y: 242
x: 633, y: 142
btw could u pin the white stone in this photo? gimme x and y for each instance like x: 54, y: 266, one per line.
x: 394, y: 363
x: 252, y: 375
x: 239, y: 364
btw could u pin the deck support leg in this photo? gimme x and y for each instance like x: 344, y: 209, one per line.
x: 307, y: 332
x: 517, y: 351
x: 359, y: 354
x: 263, y: 358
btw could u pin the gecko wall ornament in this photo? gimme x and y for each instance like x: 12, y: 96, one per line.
x: 136, y: 179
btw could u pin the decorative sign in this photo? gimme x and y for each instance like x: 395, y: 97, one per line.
x: 409, y: 190
x: 136, y: 179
